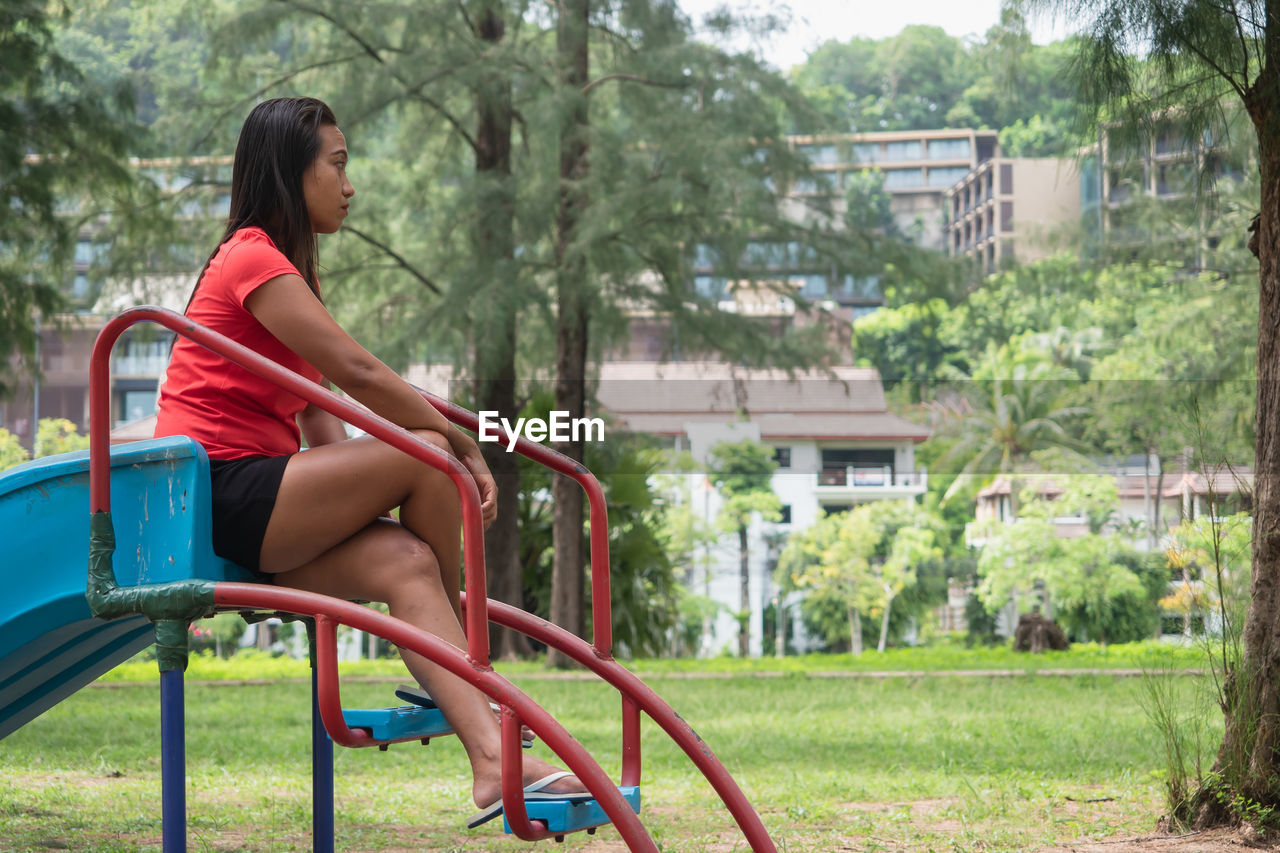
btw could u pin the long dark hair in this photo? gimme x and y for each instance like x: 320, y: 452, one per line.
x: 278, y: 143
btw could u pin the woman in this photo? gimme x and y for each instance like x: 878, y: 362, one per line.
x: 317, y: 520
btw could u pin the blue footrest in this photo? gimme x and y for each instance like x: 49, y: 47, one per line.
x: 562, y: 816
x: 398, y: 724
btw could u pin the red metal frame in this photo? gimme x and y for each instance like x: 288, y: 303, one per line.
x: 474, y: 666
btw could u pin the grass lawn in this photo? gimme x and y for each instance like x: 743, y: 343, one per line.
x: 918, y: 763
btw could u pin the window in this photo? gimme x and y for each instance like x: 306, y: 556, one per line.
x: 946, y: 176
x: 710, y: 287
x: 905, y: 150
x: 1006, y: 179
x: 814, y: 287
x: 949, y: 149
x: 1006, y: 216
x: 825, y: 155
x: 782, y: 456
x: 866, y: 152
x: 897, y: 179
x: 784, y: 514
x: 137, y: 405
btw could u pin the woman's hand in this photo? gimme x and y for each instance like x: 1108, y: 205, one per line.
x: 473, y: 460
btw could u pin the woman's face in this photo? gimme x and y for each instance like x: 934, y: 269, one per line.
x: 325, y: 186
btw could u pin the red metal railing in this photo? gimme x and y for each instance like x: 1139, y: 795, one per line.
x: 518, y: 708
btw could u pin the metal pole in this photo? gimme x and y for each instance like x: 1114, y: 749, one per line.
x: 35, y: 393
x: 321, y: 775
x: 173, y: 761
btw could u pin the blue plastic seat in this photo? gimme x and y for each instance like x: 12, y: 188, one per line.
x: 50, y: 644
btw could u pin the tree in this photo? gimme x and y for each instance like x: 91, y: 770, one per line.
x: 1198, y: 56
x: 1093, y: 584
x: 572, y: 307
x: 742, y: 471
x: 1012, y: 413
x: 11, y: 450
x: 860, y: 560
x: 62, y: 136
x: 58, y: 435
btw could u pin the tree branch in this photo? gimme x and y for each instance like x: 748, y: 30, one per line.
x: 320, y: 13
x: 1203, y: 57
x: 399, y: 259
x: 253, y: 97
x: 633, y: 77
x: 411, y: 90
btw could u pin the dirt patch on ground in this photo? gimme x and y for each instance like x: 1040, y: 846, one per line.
x: 1214, y: 841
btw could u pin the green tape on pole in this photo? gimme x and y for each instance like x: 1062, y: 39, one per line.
x: 183, y: 601
x: 172, y: 644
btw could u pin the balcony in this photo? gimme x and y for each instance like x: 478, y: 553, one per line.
x: 149, y: 365
x: 879, y: 481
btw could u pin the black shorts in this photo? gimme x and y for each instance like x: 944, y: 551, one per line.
x: 244, y: 493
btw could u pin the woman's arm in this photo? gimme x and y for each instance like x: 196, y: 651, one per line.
x: 320, y: 427
x: 290, y: 311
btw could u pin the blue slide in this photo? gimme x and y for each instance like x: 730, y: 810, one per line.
x: 50, y: 644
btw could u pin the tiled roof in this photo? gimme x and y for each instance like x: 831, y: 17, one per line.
x: 1225, y: 481
x: 662, y: 398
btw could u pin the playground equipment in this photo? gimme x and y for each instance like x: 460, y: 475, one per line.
x: 152, y: 572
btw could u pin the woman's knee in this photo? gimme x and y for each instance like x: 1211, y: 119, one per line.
x: 437, y: 439
x: 415, y: 561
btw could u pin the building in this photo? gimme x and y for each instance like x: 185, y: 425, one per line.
x: 1010, y: 209
x: 60, y: 386
x: 1182, y: 495
x: 835, y: 442
x: 919, y: 166
x: 1121, y: 178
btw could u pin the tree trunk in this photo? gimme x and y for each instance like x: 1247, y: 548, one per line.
x: 568, y: 559
x: 494, y: 359
x: 855, y: 631
x: 1249, y: 758
x: 780, y: 627
x: 884, y: 620
x: 1147, y: 510
x: 1155, y: 515
x: 744, y: 595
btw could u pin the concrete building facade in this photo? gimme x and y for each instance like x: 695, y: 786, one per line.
x: 1012, y: 209
x: 835, y: 442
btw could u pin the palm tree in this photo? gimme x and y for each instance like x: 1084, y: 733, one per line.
x: 1006, y: 419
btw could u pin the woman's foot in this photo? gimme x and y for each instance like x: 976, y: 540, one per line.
x: 487, y: 788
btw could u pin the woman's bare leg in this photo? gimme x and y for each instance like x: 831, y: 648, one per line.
x: 326, y: 536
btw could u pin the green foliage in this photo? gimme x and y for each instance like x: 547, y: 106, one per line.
x: 858, y: 562
x: 63, y: 135
x: 906, y: 345
x: 11, y: 450
x: 923, y: 78
x: 58, y: 435
x: 1095, y: 585
x: 1011, y: 413
x: 743, y: 471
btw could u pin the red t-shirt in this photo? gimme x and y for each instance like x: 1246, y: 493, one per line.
x: 232, y: 412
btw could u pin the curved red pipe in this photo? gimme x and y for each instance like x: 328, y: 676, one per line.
x: 523, y: 708
x: 477, y: 627
x: 636, y: 691
x: 598, y: 514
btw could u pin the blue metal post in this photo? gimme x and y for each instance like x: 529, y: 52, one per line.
x: 173, y: 762
x: 321, y: 774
